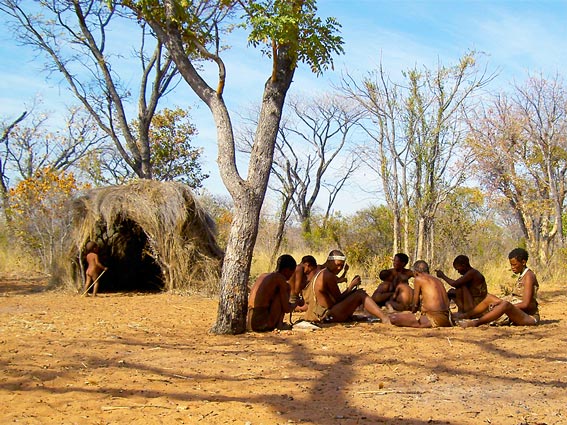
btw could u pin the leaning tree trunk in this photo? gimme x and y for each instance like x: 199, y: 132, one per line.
x: 248, y: 195
x: 280, y: 230
x: 233, y: 297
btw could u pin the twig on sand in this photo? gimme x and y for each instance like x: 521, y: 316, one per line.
x: 138, y: 406
x: 384, y: 392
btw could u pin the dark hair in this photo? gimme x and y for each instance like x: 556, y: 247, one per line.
x: 385, y: 274
x: 91, y: 246
x: 518, y: 254
x: 309, y: 259
x: 286, y: 261
x: 421, y: 266
x: 462, y: 260
x: 402, y: 257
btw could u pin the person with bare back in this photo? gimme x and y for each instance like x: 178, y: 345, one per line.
x: 470, y: 289
x: 387, y: 293
x: 429, y: 292
x: 94, y: 268
x: 269, y: 297
x: 326, y: 301
x: 521, y: 308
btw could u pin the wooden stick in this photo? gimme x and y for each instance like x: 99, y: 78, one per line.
x: 92, y: 284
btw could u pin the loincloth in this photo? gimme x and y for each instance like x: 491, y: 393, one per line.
x: 316, y: 312
x: 258, y: 319
x: 438, y: 319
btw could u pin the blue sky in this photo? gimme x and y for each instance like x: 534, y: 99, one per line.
x: 518, y: 37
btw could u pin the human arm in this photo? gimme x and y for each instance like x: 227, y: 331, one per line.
x: 296, y: 280
x: 356, y: 281
x: 99, y: 264
x: 416, y: 295
x: 464, y: 280
x: 441, y: 275
x: 343, y: 277
x: 283, y: 294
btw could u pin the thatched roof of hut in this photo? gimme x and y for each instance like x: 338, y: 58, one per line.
x: 152, y: 235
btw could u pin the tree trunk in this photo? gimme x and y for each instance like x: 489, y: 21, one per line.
x: 233, y: 299
x: 280, y: 230
x: 420, y: 239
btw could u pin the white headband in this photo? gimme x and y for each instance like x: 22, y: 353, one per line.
x: 336, y: 257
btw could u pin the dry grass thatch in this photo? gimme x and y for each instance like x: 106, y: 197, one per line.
x: 151, y: 235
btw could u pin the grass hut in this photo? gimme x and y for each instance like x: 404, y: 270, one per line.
x: 152, y: 236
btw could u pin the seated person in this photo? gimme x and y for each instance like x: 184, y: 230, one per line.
x: 470, y: 289
x: 269, y: 297
x: 301, y: 277
x: 326, y: 302
x: 430, y: 292
x: 402, y: 298
x: 521, y: 308
x: 391, y: 278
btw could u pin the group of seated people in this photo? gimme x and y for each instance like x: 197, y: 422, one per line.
x: 314, y: 290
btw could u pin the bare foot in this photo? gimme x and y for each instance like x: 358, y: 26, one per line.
x: 457, y: 316
x: 285, y: 327
x: 466, y: 323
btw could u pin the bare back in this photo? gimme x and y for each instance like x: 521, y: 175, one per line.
x: 267, y: 288
x: 327, y: 291
x: 431, y: 291
x: 94, y: 266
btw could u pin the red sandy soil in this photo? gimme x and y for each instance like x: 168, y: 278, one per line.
x: 139, y: 358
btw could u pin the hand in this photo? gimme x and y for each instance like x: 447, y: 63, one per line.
x: 356, y: 281
x: 439, y: 273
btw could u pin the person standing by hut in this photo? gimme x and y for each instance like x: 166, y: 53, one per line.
x: 95, y: 268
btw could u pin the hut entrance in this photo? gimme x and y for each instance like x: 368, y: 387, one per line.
x: 131, y: 268
x: 153, y: 236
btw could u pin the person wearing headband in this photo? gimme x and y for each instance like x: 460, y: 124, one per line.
x: 326, y: 302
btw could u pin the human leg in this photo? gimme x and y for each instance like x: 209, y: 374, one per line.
x: 95, y: 286
x: 410, y: 320
x: 517, y: 316
x: 463, y: 299
x: 382, y: 294
x: 403, y: 298
x: 479, y: 309
x: 88, y: 282
x: 342, y: 310
x: 276, y: 314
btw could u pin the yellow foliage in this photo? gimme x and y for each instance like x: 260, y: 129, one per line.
x: 39, y: 212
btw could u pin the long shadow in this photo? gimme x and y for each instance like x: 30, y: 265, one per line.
x: 22, y: 286
x: 326, y: 401
x: 325, y: 398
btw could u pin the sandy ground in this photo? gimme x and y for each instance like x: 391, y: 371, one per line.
x: 135, y: 358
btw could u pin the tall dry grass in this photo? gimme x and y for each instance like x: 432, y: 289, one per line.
x: 499, y: 277
x: 261, y: 264
x: 14, y: 260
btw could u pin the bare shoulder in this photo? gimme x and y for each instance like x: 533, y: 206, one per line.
x: 530, y: 277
